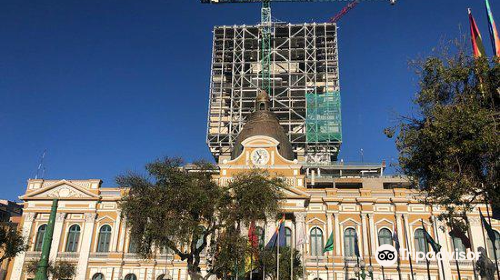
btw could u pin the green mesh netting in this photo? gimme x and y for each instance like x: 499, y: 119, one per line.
x: 323, y: 119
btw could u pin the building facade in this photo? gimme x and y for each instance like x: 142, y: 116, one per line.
x: 352, y: 201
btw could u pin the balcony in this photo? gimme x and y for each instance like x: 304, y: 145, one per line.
x: 33, y: 255
x: 100, y: 255
x: 68, y: 255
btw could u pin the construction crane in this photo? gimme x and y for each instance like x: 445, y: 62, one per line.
x: 344, y: 11
x: 266, y: 31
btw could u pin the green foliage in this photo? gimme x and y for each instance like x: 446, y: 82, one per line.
x: 11, y: 242
x: 60, y: 271
x: 450, y: 146
x: 174, y: 205
x: 268, y: 263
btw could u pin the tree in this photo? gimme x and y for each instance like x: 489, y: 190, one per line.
x: 11, y: 243
x: 185, y: 210
x: 268, y: 260
x: 449, y: 146
x: 60, y: 271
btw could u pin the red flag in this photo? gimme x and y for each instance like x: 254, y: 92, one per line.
x: 475, y: 36
x: 252, y: 237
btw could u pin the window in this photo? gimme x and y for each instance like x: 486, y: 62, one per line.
x: 40, y: 234
x: 349, y: 242
x: 130, y: 276
x: 458, y: 245
x: 497, y: 245
x: 288, y: 237
x: 104, y: 239
x: 384, y: 237
x: 132, y: 245
x: 261, y: 235
x: 420, y: 242
x: 316, y: 242
x: 73, y: 238
x: 98, y: 276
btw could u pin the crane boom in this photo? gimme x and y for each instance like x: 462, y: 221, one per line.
x: 344, y: 11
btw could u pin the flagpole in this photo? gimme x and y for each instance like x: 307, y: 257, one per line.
x: 291, y: 258
x: 493, y: 241
x: 370, y: 248
x: 436, y: 231
x: 472, y: 246
x: 278, y: 254
x: 408, y: 250
x: 426, y: 251
x: 304, y: 271
x: 383, y: 274
x: 456, y: 259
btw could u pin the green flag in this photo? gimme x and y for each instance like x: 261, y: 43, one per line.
x: 435, y: 246
x: 329, y: 244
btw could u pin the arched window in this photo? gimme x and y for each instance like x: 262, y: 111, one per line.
x: 458, y: 245
x: 130, y: 276
x: 288, y: 237
x: 104, y: 239
x: 420, y: 242
x: 40, y: 234
x: 73, y: 238
x: 349, y: 242
x: 261, y: 235
x: 497, y: 245
x: 384, y: 237
x: 316, y: 242
x: 132, y: 245
x: 98, y: 276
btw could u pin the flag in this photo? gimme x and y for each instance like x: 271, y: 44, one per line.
x: 302, y: 237
x: 458, y: 233
x: 489, y: 229
x: 477, y: 41
x: 495, y: 39
x: 329, y: 244
x: 495, y: 212
x: 251, y: 259
x: 435, y: 246
x: 395, y: 238
x: 356, y: 245
x: 280, y: 231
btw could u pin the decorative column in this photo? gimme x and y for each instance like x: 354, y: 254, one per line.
x: 441, y: 237
x: 365, y: 234
x: 17, y: 269
x: 337, y: 233
x: 407, y: 243
x: 58, y: 226
x: 83, y: 259
x: 476, y: 233
x: 373, y: 233
x: 116, y: 230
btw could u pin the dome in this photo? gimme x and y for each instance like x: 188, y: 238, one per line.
x: 263, y: 122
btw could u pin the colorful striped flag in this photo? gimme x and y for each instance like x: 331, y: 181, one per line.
x: 356, y: 246
x: 395, y: 238
x: 477, y: 41
x: 280, y: 231
x: 495, y: 39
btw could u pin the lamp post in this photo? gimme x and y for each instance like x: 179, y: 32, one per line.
x: 360, y: 270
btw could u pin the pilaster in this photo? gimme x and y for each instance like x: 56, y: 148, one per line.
x: 17, y: 269
x: 56, y: 239
x: 88, y: 230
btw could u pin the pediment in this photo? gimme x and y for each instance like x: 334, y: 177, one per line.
x: 293, y: 192
x: 63, y: 190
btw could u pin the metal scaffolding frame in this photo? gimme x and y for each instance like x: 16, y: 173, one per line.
x: 304, y: 60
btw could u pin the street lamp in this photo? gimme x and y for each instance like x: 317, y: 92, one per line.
x: 360, y: 269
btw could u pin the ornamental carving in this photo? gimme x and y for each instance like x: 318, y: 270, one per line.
x: 64, y: 191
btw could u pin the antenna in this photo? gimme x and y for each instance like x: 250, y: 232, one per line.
x: 362, y: 153
x: 41, y: 166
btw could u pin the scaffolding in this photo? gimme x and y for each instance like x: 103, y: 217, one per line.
x: 304, y: 64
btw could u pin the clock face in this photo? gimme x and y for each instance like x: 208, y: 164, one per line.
x: 260, y: 157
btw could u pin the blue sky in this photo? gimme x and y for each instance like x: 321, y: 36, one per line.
x: 109, y: 85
